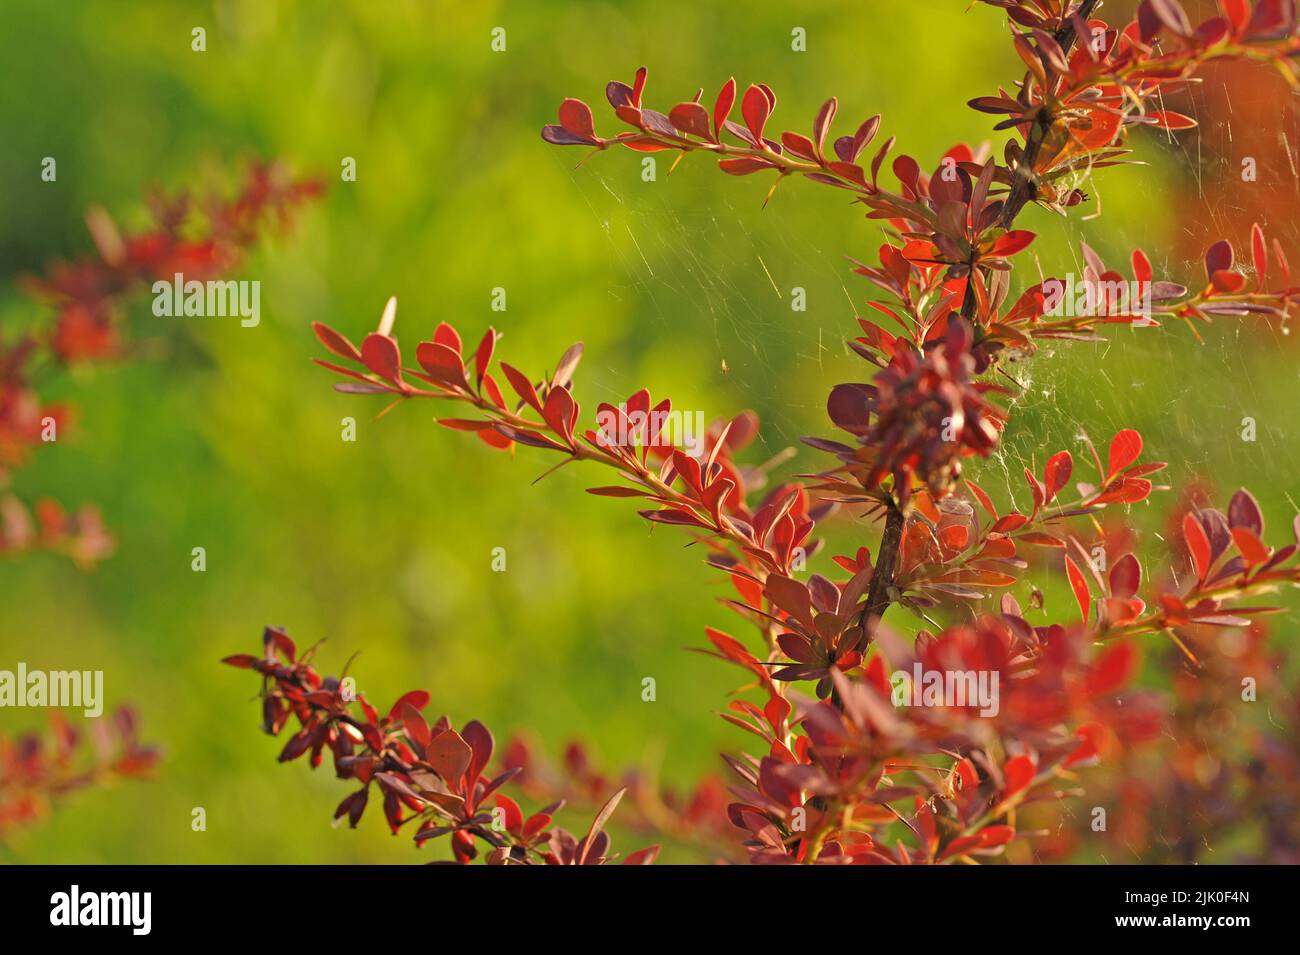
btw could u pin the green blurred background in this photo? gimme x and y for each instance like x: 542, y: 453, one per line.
x: 229, y: 438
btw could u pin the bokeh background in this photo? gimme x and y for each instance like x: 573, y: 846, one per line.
x: 229, y: 438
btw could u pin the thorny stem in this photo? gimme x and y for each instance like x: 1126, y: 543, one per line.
x: 1022, y: 190
x: 881, y: 592
x: 1023, y: 187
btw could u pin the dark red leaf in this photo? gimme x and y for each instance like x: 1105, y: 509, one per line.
x: 418, y: 699
x: 1080, y: 587
x: 380, y: 354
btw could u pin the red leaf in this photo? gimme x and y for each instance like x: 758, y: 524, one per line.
x: 447, y: 335
x: 1141, y: 267
x: 672, y: 515
x: 691, y: 118
x: 531, y: 438
x: 722, y: 106
x: 985, y: 501
x: 796, y: 647
x: 1019, y: 772
x: 1228, y: 282
x: 1124, y: 450
x: 380, y: 354
x: 335, y: 342
x: 1168, y: 119
x: 281, y: 641
x: 465, y: 424
x: 494, y: 439
x: 1252, y: 548
x: 1104, y: 125
x: 559, y: 413
x: 615, y: 490
x: 1243, y: 511
x: 598, y: 823
x: 441, y: 363
x: 1036, y: 489
x: 1198, y: 544
x: 449, y: 755
x: 1237, y: 12
x: 1057, y: 472
x: 822, y: 123
x: 483, y: 356
x: 522, y: 386
x: 955, y: 537
x: 991, y: 836
x: 799, y: 145
x: 1125, y: 491
x: 644, y: 856
x: 575, y: 116
x: 744, y: 165
x: 1125, y: 577
x: 416, y: 698
x: 731, y: 648
x: 416, y: 727
x: 791, y: 596
x: 756, y: 109
x: 481, y: 744
x: 1258, y: 254
x: 1080, y: 587
x: 1218, y: 258
x: 1172, y: 15
x: 908, y: 173
x: 514, y: 817
x: 1113, y: 669
x: 961, y: 845
x: 1012, y: 242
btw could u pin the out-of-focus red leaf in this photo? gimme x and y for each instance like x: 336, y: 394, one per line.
x: 1252, y: 548
x: 1018, y: 773
x: 1113, y: 669
x: 1080, y: 587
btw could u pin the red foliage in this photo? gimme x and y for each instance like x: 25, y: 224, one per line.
x: 429, y: 775
x: 841, y: 775
x: 88, y: 297
x: 36, y: 770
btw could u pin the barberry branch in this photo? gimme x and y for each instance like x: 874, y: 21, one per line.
x: 1023, y: 188
x: 826, y: 788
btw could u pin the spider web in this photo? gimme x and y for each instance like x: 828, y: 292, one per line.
x: 704, y: 267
